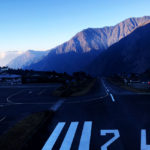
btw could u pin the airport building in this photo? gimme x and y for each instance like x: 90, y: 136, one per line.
x: 10, y: 79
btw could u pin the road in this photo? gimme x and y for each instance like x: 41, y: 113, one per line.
x: 117, y: 120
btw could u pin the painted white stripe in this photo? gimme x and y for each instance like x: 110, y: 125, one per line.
x: 2, y: 118
x: 107, y: 90
x: 66, y: 145
x: 52, y: 139
x: 112, y: 97
x: 144, y: 145
x: 41, y: 92
x: 57, y: 105
x: 86, y: 136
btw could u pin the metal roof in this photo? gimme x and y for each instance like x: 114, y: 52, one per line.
x: 9, y: 76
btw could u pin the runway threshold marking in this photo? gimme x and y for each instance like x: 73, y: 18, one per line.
x: 66, y: 145
x: 52, y: 139
x: 67, y: 142
x: 86, y: 135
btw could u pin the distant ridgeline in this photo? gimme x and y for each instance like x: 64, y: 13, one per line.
x: 99, y: 51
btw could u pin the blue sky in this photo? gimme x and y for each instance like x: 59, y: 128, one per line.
x: 44, y: 24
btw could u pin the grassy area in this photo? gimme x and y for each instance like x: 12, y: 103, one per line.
x: 84, y: 89
x: 75, y: 88
x: 19, y: 135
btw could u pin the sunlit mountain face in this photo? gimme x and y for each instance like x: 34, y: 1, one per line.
x: 6, y: 57
x: 26, y: 58
x: 85, y: 46
x: 129, y: 55
x: 78, y: 52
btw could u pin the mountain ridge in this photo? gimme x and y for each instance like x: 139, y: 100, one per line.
x: 92, y: 41
x: 25, y: 59
x: 130, y: 55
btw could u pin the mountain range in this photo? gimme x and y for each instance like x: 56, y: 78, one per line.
x: 27, y: 58
x: 129, y: 55
x: 6, y: 57
x: 81, y: 50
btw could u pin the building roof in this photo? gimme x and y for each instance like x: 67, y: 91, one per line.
x: 9, y: 76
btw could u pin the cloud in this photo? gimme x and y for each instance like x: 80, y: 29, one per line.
x: 20, y: 52
x: 2, y: 55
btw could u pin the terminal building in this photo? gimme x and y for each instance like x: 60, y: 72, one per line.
x: 10, y: 79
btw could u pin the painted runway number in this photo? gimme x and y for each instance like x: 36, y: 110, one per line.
x: 144, y: 146
x: 116, y: 136
x: 85, y: 138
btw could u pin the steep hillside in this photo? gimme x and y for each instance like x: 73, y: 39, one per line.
x: 6, y: 57
x: 26, y: 59
x: 91, y: 40
x: 131, y: 54
x: 101, y: 38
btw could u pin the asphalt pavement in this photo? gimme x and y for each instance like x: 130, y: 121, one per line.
x: 18, y: 102
x: 114, y: 121
x: 108, y: 118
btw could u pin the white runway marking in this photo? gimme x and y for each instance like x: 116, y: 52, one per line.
x: 57, y: 105
x: 112, y: 97
x: 52, y: 139
x: 3, y: 118
x: 66, y: 145
x: 144, y: 145
x: 9, y: 97
x: 104, y: 133
x: 86, y: 136
x: 108, y: 91
x: 41, y: 92
x: 69, y: 137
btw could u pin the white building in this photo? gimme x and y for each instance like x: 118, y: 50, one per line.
x: 2, y: 69
x: 10, y: 79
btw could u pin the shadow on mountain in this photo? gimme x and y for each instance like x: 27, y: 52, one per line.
x: 131, y: 54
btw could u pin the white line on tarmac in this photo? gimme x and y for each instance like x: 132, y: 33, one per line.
x: 41, y: 92
x: 57, y: 105
x: 108, y: 92
x: 3, y: 118
x: 144, y: 145
x: 86, y: 135
x: 8, y: 98
x: 66, y: 145
x: 112, y: 97
x: 52, y: 139
x: 51, y: 103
